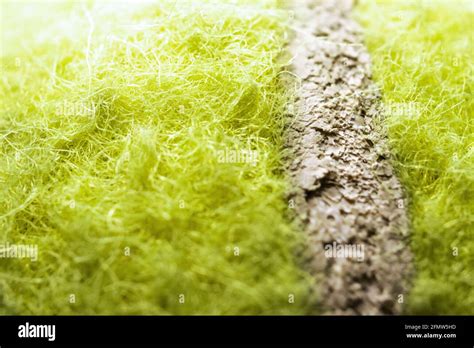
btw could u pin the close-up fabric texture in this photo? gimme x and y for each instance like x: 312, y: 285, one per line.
x: 237, y: 157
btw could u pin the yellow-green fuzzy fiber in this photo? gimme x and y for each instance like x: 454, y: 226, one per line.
x: 423, y: 58
x: 140, y: 151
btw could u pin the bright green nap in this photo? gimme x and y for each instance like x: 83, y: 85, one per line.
x: 113, y: 124
x: 423, y: 58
